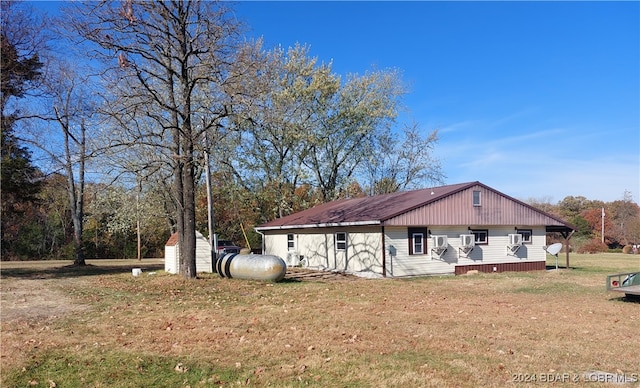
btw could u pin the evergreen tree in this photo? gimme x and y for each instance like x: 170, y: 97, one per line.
x: 20, y: 68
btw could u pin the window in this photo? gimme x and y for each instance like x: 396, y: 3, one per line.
x: 418, y: 244
x: 341, y: 241
x: 416, y: 241
x: 481, y: 236
x: 476, y: 198
x: 291, y: 243
x: 526, y: 235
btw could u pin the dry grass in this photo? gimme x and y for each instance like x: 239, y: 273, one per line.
x: 482, y: 330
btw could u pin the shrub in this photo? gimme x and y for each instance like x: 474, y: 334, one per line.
x: 627, y: 249
x: 593, y: 246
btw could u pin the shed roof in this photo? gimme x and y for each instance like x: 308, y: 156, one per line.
x: 172, y: 241
x: 443, y: 205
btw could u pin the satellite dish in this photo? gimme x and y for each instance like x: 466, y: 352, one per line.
x: 553, y: 249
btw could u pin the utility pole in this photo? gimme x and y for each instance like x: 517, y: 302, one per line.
x: 603, y: 225
x: 138, y: 234
x: 213, y: 240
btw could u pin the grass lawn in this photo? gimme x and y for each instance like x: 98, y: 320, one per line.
x: 102, y: 327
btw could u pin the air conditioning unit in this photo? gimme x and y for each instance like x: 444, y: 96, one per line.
x: 293, y: 260
x: 515, y: 242
x: 467, y: 242
x: 515, y: 239
x: 439, y: 241
x: 439, y: 245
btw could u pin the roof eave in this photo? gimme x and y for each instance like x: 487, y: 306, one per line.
x: 322, y: 225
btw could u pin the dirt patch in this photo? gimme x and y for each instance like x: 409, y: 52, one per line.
x: 25, y: 299
x: 31, y: 299
x: 33, y: 290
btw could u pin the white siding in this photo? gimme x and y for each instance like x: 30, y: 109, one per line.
x: 203, y: 256
x: 364, y: 249
x: 276, y: 244
x: 400, y: 263
x: 171, y: 259
x: 318, y: 248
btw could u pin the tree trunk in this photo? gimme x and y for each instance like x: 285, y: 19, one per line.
x: 188, y: 249
x: 75, y: 190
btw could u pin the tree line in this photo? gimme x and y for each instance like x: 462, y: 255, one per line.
x: 128, y: 107
x: 116, y: 114
x: 619, y: 220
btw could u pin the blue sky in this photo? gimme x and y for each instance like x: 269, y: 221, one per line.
x: 535, y: 99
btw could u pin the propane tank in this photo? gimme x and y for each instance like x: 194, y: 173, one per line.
x: 252, y: 267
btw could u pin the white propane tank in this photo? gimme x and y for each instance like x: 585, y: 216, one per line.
x: 252, y: 267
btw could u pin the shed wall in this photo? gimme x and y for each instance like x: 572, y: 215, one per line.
x: 203, y: 256
x: 171, y: 259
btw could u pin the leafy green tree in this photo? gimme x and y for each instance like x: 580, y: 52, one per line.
x: 21, y: 69
x: 571, y: 206
x: 21, y: 40
x: 585, y: 230
x: 277, y: 129
x: 345, y: 126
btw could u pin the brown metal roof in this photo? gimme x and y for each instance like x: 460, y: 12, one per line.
x: 443, y: 205
x: 172, y: 241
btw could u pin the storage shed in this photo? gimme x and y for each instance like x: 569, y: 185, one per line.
x: 203, y: 254
x: 441, y: 230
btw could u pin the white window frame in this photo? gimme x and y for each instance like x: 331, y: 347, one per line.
x: 291, y: 242
x: 478, y: 232
x: 527, y: 235
x: 417, y: 251
x: 341, y: 244
x: 477, y: 198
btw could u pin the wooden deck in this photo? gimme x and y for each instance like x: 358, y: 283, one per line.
x: 630, y: 290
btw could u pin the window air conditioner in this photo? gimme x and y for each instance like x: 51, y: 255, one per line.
x: 438, y: 246
x: 439, y: 241
x: 515, y: 239
x: 467, y: 240
x: 515, y: 242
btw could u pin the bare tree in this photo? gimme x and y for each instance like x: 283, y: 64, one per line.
x: 61, y: 132
x: 402, y: 161
x: 175, y: 70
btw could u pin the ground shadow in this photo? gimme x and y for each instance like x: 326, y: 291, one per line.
x: 71, y: 271
x: 552, y: 267
x: 627, y: 299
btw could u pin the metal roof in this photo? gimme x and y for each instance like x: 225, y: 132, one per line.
x: 443, y: 205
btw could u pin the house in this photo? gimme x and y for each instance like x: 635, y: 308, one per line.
x: 441, y: 230
x: 203, y: 254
